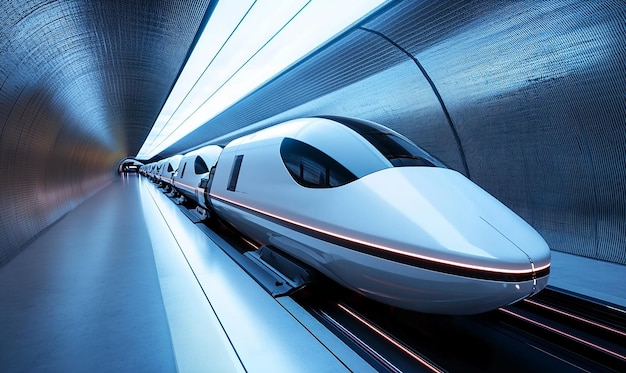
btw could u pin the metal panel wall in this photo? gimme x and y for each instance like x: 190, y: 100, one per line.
x: 81, y: 83
x: 526, y: 98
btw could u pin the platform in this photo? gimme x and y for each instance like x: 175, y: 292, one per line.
x: 126, y: 282
x: 594, y: 279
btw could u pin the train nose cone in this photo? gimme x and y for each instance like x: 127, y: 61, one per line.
x: 524, y: 238
x: 467, y: 224
x: 521, y: 241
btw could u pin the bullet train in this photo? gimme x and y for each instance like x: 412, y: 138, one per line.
x: 168, y: 170
x: 377, y: 214
x: 193, y: 175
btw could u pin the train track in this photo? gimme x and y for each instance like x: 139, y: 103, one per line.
x: 553, y: 331
x: 595, y: 332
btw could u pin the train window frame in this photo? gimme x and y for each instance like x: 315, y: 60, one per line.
x: 398, y: 150
x: 182, y: 172
x: 234, y: 173
x: 311, y: 167
x: 199, y: 166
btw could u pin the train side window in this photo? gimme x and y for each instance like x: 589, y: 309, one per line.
x: 199, y: 166
x: 169, y: 167
x: 234, y: 173
x: 310, y: 167
x: 182, y: 173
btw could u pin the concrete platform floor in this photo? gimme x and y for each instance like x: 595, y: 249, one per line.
x: 85, y: 295
x: 127, y: 283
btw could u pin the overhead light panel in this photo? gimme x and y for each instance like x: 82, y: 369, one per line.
x: 244, y: 44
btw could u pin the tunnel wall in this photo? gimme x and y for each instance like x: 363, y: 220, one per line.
x: 528, y: 99
x: 81, y: 83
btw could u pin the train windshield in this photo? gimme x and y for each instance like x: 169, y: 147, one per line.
x: 199, y: 166
x: 310, y: 167
x: 398, y: 150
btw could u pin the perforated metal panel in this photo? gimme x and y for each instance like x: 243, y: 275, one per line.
x: 527, y: 98
x: 81, y: 83
x: 536, y: 93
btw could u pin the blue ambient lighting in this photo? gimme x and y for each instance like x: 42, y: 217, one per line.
x: 244, y: 44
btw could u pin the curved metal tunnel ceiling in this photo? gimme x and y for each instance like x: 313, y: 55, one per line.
x: 105, y: 66
x: 527, y: 100
x: 81, y: 83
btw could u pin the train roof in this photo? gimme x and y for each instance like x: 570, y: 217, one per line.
x: 362, y: 147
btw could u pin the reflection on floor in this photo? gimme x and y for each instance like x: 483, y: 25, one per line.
x: 125, y: 282
x: 85, y: 294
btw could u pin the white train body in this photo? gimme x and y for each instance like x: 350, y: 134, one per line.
x: 169, y: 168
x: 150, y: 169
x: 159, y: 168
x: 333, y: 193
x: 419, y: 237
x: 193, y: 169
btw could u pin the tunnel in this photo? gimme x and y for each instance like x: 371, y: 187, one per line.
x: 525, y: 99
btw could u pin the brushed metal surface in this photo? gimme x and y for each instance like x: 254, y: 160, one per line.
x: 526, y: 98
x: 81, y: 83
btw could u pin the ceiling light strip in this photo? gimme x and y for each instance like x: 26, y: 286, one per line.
x: 236, y: 72
x: 200, y: 76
